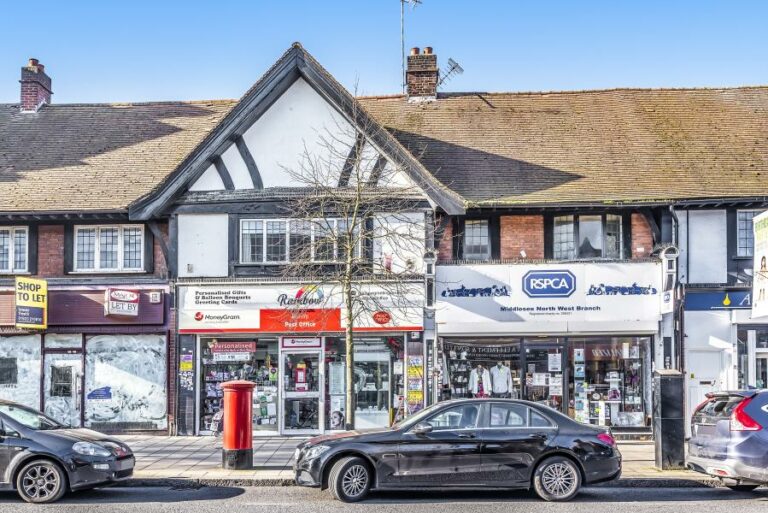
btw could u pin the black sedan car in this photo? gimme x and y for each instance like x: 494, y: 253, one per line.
x: 41, y: 459
x: 474, y: 443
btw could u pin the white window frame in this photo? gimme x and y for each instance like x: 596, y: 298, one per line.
x: 12, y: 250
x: 287, y: 220
x: 97, y: 249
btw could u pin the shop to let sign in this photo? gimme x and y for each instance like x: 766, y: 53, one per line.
x: 121, y: 302
x: 31, y: 303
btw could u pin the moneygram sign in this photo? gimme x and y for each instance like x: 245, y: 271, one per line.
x: 543, y: 284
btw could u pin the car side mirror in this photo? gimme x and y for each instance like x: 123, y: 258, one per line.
x: 421, y: 428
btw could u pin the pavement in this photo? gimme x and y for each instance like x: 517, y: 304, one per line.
x: 196, y: 461
x: 307, y: 500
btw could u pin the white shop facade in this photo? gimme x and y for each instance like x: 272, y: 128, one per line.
x: 579, y: 337
x: 288, y: 338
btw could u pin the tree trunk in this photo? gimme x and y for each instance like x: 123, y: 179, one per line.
x: 350, y: 360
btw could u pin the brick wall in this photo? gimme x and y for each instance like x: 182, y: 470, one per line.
x: 522, y: 233
x: 50, y: 250
x: 445, y: 248
x: 642, y: 238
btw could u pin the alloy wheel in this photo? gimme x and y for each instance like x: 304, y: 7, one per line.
x: 355, y: 480
x: 40, y: 482
x: 559, y: 479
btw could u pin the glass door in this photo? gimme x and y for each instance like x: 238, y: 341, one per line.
x: 301, y: 380
x: 761, y: 370
x: 544, y: 375
x: 62, y: 388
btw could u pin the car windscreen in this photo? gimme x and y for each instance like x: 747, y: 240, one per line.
x: 29, y: 418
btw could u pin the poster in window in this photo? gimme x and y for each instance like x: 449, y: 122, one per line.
x: 336, y: 378
x: 556, y: 385
x: 555, y: 362
x: 540, y: 379
x: 760, y: 273
x: 578, y: 355
x: 578, y: 370
x: 31, y: 303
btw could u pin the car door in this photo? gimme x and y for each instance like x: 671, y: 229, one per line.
x: 5, y: 453
x: 512, y: 441
x: 449, y: 455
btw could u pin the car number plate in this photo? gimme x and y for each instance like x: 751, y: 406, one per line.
x: 125, y: 464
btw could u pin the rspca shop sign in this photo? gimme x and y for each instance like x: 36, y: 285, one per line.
x: 549, y: 298
x: 549, y: 283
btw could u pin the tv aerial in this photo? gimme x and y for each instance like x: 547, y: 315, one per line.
x: 453, y: 69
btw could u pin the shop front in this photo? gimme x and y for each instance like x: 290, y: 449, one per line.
x: 101, y: 363
x: 288, y: 340
x: 578, y: 337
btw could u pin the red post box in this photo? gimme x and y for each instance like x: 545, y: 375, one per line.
x: 237, y: 446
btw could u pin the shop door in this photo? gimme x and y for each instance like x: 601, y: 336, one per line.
x: 761, y: 370
x: 62, y: 387
x: 544, y: 376
x: 301, y: 380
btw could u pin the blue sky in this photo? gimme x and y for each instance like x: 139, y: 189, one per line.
x: 163, y: 50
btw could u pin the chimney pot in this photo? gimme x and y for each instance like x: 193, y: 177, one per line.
x: 35, y: 86
x: 427, y: 50
x: 415, y: 50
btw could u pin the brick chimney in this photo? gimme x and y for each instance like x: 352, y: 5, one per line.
x: 35, y: 86
x: 421, y: 75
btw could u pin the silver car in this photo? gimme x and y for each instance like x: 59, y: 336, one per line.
x: 729, y: 438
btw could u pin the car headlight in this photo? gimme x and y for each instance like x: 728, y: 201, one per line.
x: 314, y: 452
x: 90, y: 449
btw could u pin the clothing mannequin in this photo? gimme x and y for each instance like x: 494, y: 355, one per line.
x: 480, y: 381
x: 502, y: 380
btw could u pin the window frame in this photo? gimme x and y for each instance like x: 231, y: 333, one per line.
x: 486, y: 424
x: 313, y: 223
x: 625, y: 248
x: 479, y: 419
x: 120, y: 249
x: 12, y: 229
x: 755, y: 212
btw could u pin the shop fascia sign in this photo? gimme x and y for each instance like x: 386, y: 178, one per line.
x: 549, y: 283
x: 123, y: 302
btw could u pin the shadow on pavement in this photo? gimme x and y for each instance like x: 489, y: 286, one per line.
x: 138, y: 495
x: 586, y: 496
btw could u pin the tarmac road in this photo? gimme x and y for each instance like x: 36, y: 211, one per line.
x: 302, y: 500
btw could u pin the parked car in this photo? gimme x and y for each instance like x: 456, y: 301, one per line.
x: 42, y: 459
x: 729, y: 438
x: 475, y: 443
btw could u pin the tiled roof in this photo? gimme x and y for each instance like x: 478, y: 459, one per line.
x: 96, y: 157
x: 612, y: 146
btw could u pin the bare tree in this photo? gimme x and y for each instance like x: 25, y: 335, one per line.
x: 358, y: 226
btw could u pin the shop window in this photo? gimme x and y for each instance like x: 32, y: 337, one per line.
x: 588, y: 236
x: 477, y: 240
x: 14, y: 249
x: 109, y: 248
x: 459, y: 417
x: 508, y: 415
x: 61, y: 381
x: 279, y: 241
x: 9, y: 371
x: 745, y: 232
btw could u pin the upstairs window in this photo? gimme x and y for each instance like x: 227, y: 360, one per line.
x: 745, y: 233
x: 280, y: 241
x: 588, y: 236
x: 14, y: 251
x: 477, y: 239
x: 118, y: 248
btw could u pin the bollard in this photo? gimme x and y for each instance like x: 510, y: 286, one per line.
x: 237, y: 446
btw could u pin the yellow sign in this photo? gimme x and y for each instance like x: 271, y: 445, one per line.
x: 31, y: 303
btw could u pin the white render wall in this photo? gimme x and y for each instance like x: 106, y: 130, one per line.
x: 203, y: 245
x: 703, y: 246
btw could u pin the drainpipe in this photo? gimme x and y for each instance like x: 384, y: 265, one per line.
x: 679, y: 315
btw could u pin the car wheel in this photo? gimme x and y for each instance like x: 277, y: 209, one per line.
x: 41, y: 481
x: 350, y: 479
x: 742, y: 488
x: 557, y: 479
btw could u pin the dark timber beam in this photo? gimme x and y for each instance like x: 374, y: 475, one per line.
x: 352, y: 159
x: 250, y: 163
x: 655, y: 230
x: 158, y: 235
x: 223, y: 173
x: 378, y: 168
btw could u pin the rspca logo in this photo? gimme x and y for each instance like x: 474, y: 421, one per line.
x: 549, y: 283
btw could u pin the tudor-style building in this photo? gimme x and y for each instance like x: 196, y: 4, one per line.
x: 234, y: 234
x: 67, y: 176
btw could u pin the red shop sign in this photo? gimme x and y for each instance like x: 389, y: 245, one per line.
x: 311, y: 320
x: 381, y: 317
x: 233, y: 347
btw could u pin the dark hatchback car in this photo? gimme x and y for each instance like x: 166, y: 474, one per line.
x: 475, y: 443
x: 41, y: 459
x: 729, y: 438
